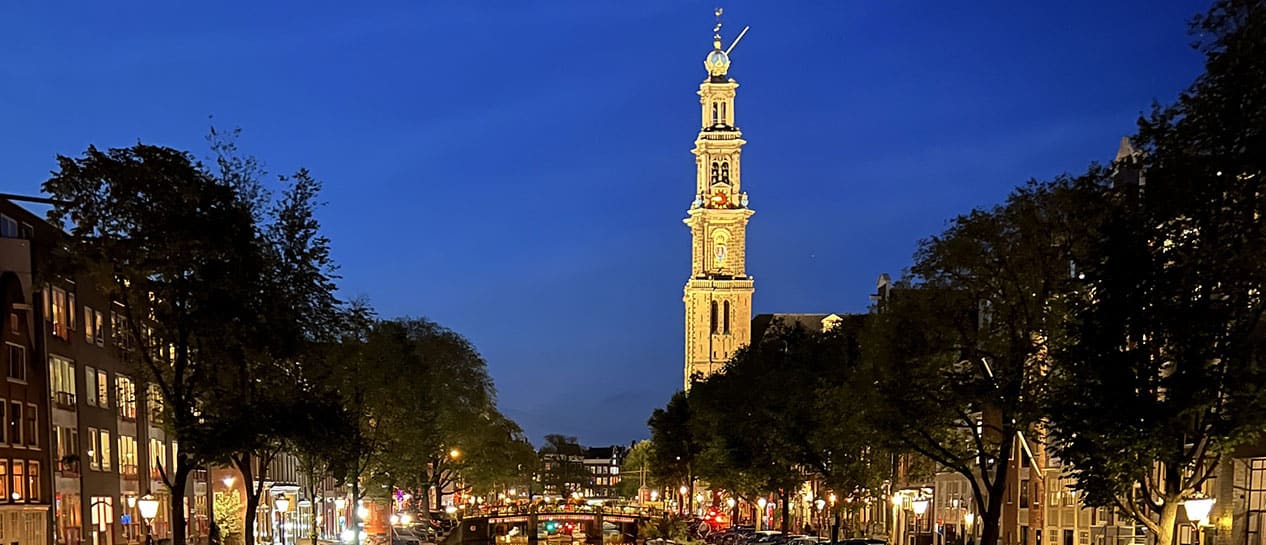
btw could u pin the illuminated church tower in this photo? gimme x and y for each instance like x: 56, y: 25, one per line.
x: 718, y: 295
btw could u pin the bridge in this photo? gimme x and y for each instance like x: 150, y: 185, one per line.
x: 548, y: 528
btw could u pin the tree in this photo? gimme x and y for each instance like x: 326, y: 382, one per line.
x: 676, y: 445
x: 753, y: 415
x: 181, y: 251
x: 496, y: 454
x: 1159, y: 371
x: 272, y: 385
x: 957, y: 352
x: 228, y: 516
x: 637, y: 470
x: 222, y: 292
x: 440, y: 408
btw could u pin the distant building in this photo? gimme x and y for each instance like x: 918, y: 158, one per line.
x: 603, y: 465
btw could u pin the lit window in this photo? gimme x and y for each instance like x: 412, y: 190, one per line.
x: 94, y: 450
x: 18, y: 486
x: 61, y: 372
x: 104, y: 444
x: 33, y: 480
x: 125, y: 397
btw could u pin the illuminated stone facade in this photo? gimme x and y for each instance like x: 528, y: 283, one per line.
x: 718, y: 295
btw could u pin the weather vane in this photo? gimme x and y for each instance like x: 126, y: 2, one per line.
x: 717, y: 29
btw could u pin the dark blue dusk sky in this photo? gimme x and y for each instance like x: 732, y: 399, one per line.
x: 518, y: 171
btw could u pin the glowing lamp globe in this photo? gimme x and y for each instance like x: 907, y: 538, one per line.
x: 761, y: 503
x: 920, y: 506
x: 149, y: 506
x: 1198, y: 509
x: 282, y: 503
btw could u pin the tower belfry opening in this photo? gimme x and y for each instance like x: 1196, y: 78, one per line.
x: 718, y: 294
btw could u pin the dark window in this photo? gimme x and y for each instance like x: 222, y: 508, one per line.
x: 17, y: 362
x: 715, y: 118
x: 15, y: 423
x: 1024, y: 493
x: 714, y: 316
x: 716, y: 172
x: 726, y: 316
x: 725, y: 171
x: 9, y: 226
x: 723, y: 116
x: 31, y: 425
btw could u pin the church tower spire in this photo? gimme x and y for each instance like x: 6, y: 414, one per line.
x: 718, y: 295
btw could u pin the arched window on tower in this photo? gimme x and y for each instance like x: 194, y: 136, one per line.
x: 725, y: 171
x: 726, y: 315
x: 715, y: 118
x: 725, y: 120
x: 714, y: 316
x: 716, y: 172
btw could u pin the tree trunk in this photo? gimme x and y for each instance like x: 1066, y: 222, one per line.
x: 992, y: 516
x: 177, y: 489
x: 786, y: 510
x: 424, y: 504
x: 835, y: 527
x: 253, y: 493
x: 354, y: 508
x: 316, y: 502
x: 1167, y: 525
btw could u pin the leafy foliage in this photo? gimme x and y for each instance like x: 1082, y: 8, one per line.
x: 1160, y: 368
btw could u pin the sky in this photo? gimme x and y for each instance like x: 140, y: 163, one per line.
x: 518, y: 171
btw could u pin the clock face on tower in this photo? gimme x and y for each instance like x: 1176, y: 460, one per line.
x: 719, y: 199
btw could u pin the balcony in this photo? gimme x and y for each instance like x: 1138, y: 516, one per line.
x: 64, y: 400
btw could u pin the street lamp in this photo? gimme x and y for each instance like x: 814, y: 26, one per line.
x: 149, y: 510
x: 454, y: 454
x: 760, y: 518
x: 282, y: 503
x: 1198, y: 513
x: 920, y: 506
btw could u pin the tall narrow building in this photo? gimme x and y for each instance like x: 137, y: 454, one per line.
x: 718, y: 295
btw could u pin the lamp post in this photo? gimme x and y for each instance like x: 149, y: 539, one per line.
x: 149, y: 509
x: 1198, y: 513
x: 685, y: 496
x: 282, y: 503
x: 760, y: 517
x: 920, y: 506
